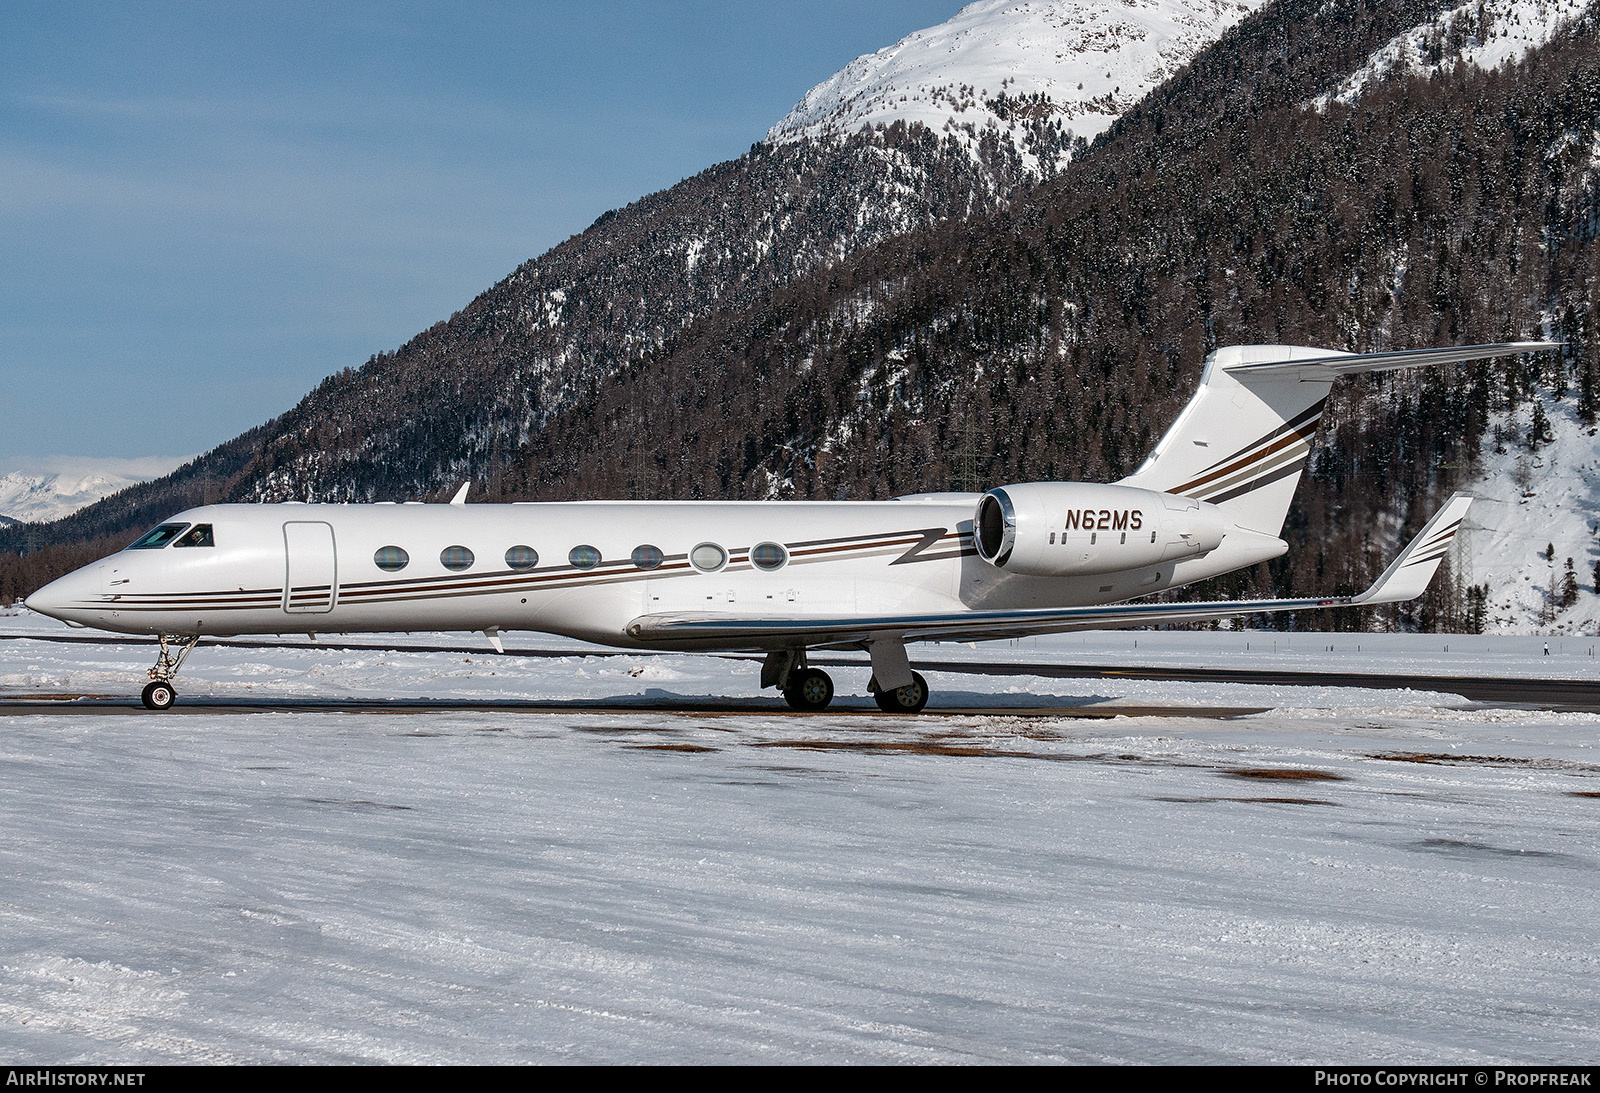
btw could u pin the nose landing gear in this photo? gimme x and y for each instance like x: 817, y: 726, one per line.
x: 159, y: 694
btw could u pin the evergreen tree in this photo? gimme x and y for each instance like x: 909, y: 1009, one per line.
x: 1539, y: 432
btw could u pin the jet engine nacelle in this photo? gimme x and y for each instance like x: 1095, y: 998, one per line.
x: 1067, y: 529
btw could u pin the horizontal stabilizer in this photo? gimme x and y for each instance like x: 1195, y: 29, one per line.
x: 1243, y: 441
x: 1300, y: 362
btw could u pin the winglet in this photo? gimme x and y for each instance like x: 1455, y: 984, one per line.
x: 461, y: 495
x: 1408, y: 575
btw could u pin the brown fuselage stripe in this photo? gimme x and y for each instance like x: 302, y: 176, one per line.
x: 384, y: 592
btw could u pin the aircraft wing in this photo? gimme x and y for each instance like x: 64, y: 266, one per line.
x: 1405, y: 579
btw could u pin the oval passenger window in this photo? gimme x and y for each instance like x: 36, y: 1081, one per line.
x: 455, y: 558
x: 768, y: 556
x: 522, y: 558
x: 390, y: 559
x: 647, y: 556
x: 708, y: 557
x: 584, y: 556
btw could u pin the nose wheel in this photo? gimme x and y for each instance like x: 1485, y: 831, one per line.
x: 158, y: 696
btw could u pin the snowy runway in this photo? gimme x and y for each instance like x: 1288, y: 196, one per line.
x: 1354, y: 876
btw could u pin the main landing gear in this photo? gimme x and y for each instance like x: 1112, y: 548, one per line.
x: 807, y: 688
x: 159, y: 694
x: 908, y: 699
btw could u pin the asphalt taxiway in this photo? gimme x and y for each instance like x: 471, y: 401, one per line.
x: 1570, y: 695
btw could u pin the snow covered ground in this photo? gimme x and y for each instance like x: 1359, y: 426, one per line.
x: 1354, y: 876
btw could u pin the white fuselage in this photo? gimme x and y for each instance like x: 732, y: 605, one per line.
x: 307, y: 568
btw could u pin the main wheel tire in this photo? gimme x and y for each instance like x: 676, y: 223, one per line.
x: 809, y: 689
x: 908, y: 699
x: 158, y: 696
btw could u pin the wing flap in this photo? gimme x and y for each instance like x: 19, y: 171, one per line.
x: 761, y: 633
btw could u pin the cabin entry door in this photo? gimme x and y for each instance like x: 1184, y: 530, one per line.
x: 311, y: 576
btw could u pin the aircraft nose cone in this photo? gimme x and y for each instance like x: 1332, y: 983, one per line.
x: 61, y: 596
x: 47, y: 600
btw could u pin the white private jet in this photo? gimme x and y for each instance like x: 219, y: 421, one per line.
x: 779, y: 577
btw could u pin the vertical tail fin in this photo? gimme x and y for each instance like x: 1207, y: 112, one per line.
x: 1244, y: 438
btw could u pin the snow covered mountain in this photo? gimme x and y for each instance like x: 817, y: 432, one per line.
x: 1482, y: 33
x: 1027, y: 68
x: 1537, y: 517
x: 50, y: 492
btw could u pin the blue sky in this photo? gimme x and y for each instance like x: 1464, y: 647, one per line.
x: 205, y: 208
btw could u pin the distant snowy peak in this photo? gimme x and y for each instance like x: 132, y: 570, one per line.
x: 1018, y: 65
x: 33, y: 498
x: 42, y: 494
x: 1483, y: 33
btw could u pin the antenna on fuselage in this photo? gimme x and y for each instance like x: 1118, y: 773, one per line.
x: 461, y: 495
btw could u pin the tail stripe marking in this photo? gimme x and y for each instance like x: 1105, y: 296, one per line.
x: 1300, y: 430
x: 1437, y: 546
x: 1432, y: 556
x: 1292, y: 457
x: 1267, y: 479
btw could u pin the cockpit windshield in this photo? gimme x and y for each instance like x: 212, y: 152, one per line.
x: 199, y: 535
x: 159, y: 537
